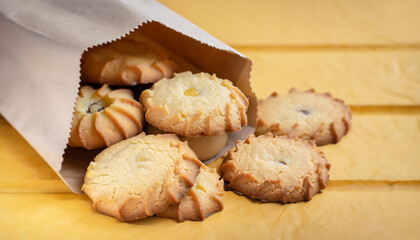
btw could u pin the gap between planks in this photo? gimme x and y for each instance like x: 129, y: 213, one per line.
x: 385, y: 109
x: 320, y: 48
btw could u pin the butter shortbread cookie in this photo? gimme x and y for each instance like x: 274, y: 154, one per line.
x: 125, y: 62
x: 307, y: 115
x: 104, y: 116
x: 276, y: 168
x: 195, y: 104
x: 141, y: 176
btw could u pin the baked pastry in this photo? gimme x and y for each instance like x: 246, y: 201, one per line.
x: 204, y: 146
x: 141, y: 176
x: 125, y: 62
x: 104, y: 116
x: 194, y: 105
x: 203, y: 199
x: 306, y: 115
x: 276, y: 169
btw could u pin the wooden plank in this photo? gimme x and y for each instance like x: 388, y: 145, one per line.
x: 291, y: 23
x: 18, y: 160
x: 379, y: 147
x: 21, y: 168
x: 361, y: 76
x: 330, y: 215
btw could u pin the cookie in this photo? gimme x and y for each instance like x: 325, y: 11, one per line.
x: 307, y: 115
x: 104, y: 116
x: 125, y: 62
x: 205, y: 147
x: 141, y: 176
x: 203, y: 199
x: 276, y: 168
x: 194, y: 105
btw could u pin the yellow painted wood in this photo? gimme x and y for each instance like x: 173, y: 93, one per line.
x: 330, y: 215
x: 21, y: 168
x: 287, y: 22
x: 360, y: 76
x: 365, y: 52
x: 380, y: 147
x: 18, y: 160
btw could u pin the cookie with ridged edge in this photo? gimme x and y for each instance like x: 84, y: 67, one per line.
x: 104, y: 116
x: 194, y: 105
x: 307, y: 115
x: 204, y: 198
x: 125, y: 63
x: 276, y: 168
x: 141, y: 176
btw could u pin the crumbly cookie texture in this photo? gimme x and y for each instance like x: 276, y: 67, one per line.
x: 204, y: 198
x: 195, y: 104
x: 307, y: 115
x: 125, y: 62
x: 104, y: 116
x: 141, y: 176
x: 276, y: 168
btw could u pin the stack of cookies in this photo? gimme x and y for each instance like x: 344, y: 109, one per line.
x: 187, y: 118
x: 200, y: 108
x: 141, y: 175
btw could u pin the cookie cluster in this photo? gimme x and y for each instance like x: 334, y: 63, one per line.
x: 157, y: 174
x: 187, y: 118
x: 200, y: 108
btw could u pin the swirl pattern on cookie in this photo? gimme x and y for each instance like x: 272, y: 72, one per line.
x: 306, y: 115
x: 104, y: 116
x: 204, y: 198
x: 124, y: 63
x: 141, y: 176
x: 195, y: 104
x: 276, y: 168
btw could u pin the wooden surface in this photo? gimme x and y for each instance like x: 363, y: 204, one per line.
x: 365, y: 52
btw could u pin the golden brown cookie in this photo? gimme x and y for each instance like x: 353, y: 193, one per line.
x: 306, y: 115
x: 203, y: 199
x: 125, y: 62
x: 195, y: 104
x: 276, y: 169
x: 141, y: 176
x: 104, y: 116
x: 204, y: 146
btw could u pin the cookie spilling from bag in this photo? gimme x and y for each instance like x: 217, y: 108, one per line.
x: 200, y: 107
x: 138, y: 176
x: 154, y: 174
x: 307, y: 115
x: 104, y: 116
x: 125, y: 63
x: 276, y: 168
x: 189, y: 117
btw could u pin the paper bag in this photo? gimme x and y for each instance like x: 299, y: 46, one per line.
x: 41, y: 46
